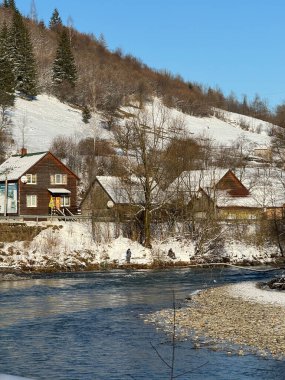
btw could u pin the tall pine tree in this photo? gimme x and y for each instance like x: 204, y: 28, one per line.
x: 22, y: 57
x: 64, y: 69
x: 12, y: 5
x: 7, y: 80
x: 55, y: 20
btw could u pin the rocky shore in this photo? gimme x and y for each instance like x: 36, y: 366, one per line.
x: 222, y: 318
x: 12, y: 277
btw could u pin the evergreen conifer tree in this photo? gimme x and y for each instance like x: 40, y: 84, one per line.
x: 6, y: 3
x: 7, y: 80
x: 11, y: 4
x: 55, y: 20
x: 7, y: 87
x: 86, y: 114
x: 22, y: 58
x: 64, y: 69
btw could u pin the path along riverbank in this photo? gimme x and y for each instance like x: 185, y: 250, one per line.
x: 238, y: 318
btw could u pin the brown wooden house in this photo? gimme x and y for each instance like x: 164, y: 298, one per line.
x: 111, y: 198
x: 217, y: 189
x: 37, y: 184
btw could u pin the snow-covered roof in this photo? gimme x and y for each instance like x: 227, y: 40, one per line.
x: 266, y: 185
x: 17, y: 165
x: 224, y: 199
x: 115, y: 188
x: 124, y: 191
x: 193, y: 180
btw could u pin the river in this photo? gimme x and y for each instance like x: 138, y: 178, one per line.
x: 90, y: 326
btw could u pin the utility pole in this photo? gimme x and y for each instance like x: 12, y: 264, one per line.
x: 6, y: 195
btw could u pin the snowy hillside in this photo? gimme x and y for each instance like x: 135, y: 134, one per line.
x: 38, y: 122
x: 227, y: 128
x: 225, y: 132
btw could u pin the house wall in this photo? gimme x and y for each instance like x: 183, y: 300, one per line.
x: 251, y: 213
x: 47, y: 166
x: 95, y: 205
x: 263, y: 152
x: 95, y: 202
x: 239, y: 213
x: 274, y: 213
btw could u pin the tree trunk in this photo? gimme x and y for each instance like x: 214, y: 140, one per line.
x: 147, y: 232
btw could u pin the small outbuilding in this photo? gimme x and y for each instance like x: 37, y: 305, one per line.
x: 111, y: 198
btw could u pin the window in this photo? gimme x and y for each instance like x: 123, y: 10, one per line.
x: 31, y: 179
x: 65, y: 201
x: 58, y: 179
x: 32, y: 201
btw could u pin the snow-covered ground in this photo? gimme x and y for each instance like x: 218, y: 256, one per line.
x: 223, y: 129
x: 71, y: 244
x: 250, y: 292
x: 227, y: 131
x: 252, y: 124
x: 39, y: 121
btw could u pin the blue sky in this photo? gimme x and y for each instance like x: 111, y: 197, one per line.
x: 237, y: 45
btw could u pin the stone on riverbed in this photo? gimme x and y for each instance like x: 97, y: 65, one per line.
x: 229, y: 322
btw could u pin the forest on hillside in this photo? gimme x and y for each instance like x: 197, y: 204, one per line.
x: 80, y: 69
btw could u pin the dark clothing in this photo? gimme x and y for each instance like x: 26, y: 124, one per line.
x: 171, y: 254
x: 128, y: 256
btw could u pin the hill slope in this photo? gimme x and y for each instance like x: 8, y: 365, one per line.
x: 38, y: 122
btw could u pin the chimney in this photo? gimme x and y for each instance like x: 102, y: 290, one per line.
x: 24, y: 152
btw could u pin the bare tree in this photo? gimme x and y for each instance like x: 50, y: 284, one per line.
x: 143, y: 141
x: 66, y: 149
x: 195, y: 196
x: 33, y: 11
x: 70, y: 26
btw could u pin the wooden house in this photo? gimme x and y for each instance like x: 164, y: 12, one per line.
x: 217, y: 190
x: 111, y: 198
x: 266, y: 186
x: 36, y: 184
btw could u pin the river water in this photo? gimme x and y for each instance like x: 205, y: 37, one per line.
x: 89, y: 326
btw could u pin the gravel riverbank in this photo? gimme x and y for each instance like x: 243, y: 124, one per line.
x: 237, y: 318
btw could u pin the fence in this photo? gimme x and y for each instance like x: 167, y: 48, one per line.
x: 40, y: 218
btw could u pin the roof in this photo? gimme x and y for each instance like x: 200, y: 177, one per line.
x: 194, y: 180
x: 125, y: 191
x: 59, y: 191
x: 266, y: 185
x: 224, y: 199
x: 17, y: 165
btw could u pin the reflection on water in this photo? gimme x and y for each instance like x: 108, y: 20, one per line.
x: 46, y: 298
x: 87, y: 326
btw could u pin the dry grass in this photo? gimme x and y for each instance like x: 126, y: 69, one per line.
x: 10, y: 232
